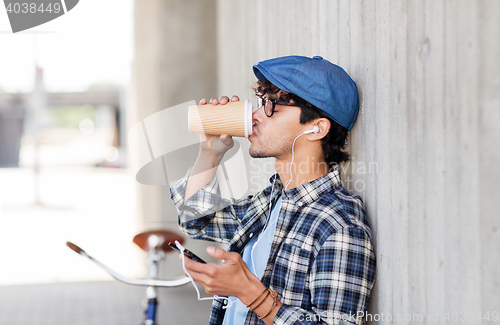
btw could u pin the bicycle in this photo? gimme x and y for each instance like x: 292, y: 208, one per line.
x: 155, y: 243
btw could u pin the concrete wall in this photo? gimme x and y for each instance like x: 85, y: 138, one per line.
x: 175, y: 62
x: 425, y: 146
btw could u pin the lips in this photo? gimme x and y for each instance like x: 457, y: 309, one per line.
x: 253, y: 133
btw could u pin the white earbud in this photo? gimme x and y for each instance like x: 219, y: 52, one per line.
x: 315, y: 129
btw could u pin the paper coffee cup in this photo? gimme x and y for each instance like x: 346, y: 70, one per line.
x: 233, y: 118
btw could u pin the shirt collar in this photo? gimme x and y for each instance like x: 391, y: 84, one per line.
x: 311, y: 191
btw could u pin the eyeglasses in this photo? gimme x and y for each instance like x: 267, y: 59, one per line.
x: 270, y: 104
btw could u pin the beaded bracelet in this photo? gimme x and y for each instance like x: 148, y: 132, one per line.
x: 274, y: 294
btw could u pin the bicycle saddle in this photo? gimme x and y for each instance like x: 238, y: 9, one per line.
x: 157, y: 239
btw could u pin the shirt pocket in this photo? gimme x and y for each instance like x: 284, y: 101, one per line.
x: 291, y: 274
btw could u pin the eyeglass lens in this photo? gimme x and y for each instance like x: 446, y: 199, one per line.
x: 268, y: 107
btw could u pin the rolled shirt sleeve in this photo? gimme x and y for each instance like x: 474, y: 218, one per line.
x: 206, y: 215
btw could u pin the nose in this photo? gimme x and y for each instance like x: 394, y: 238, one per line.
x: 258, y: 115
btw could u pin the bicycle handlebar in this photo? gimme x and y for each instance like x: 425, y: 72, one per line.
x: 141, y: 282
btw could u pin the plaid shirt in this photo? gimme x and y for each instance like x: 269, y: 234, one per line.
x: 322, y: 262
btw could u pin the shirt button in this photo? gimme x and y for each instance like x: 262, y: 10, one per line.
x: 317, y: 57
x: 251, y: 235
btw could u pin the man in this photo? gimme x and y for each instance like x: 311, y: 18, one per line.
x: 300, y: 251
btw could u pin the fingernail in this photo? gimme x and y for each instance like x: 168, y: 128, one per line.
x: 210, y: 250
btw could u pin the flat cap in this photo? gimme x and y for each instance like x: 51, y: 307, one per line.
x: 317, y: 81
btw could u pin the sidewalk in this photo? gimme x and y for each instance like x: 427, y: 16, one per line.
x: 96, y: 303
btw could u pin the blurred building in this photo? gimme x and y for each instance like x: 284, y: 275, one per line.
x: 17, y: 108
x: 12, y: 116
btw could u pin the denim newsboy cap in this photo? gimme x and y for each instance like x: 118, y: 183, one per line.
x: 316, y: 80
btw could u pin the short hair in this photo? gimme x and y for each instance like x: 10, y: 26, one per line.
x: 333, y: 143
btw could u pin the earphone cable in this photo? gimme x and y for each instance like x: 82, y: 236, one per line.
x: 231, y: 302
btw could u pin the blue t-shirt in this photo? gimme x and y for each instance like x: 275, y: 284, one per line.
x: 261, y: 247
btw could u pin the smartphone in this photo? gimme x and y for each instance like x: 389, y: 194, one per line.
x: 188, y: 253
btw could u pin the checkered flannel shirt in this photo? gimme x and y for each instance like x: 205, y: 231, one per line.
x: 322, y: 262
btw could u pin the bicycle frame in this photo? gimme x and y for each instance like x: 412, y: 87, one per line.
x: 154, y: 257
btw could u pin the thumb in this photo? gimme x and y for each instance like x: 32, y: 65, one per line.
x: 218, y: 253
x: 226, y: 139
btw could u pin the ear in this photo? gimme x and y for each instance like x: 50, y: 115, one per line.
x: 323, y: 125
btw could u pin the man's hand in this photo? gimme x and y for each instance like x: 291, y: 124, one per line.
x: 230, y: 278
x: 219, y: 145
